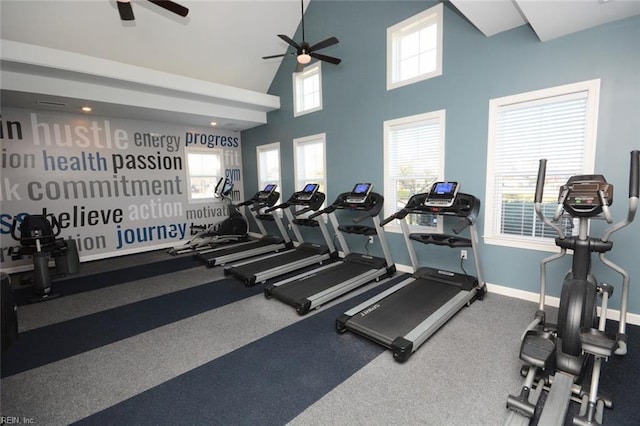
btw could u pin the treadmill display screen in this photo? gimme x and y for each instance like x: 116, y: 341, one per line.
x: 442, y: 194
x: 269, y: 188
x: 361, y: 189
x: 310, y: 188
x: 308, y: 192
x: 359, y: 193
x: 444, y: 189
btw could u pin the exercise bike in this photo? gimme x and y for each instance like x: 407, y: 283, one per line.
x: 38, y: 237
x: 556, y: 356
x: 232, y: 229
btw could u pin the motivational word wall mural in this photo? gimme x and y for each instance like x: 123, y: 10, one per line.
x: 115, y: 186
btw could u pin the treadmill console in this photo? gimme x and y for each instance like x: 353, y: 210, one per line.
x: 442, y: 194
x: 267, y: 191
x: 359, y: 193
x: 308, y: 192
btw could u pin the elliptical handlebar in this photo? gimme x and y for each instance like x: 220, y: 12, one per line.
x: 634, y: 175
x: 542, y: 170
x: 634, y: 189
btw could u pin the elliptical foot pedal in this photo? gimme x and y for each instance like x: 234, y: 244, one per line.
x: 538, y: 348
x: 597, y: 342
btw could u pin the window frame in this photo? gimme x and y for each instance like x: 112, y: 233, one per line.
x: 299, y: 78
x: 493, y: 236
x: 317, y: 138
x: 395, y: 33
x: 275, y: 146
x: 203, y: 151
x: 388, y: 125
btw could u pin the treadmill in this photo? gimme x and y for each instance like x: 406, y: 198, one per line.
x: 266, y: 244
x: 311, y: 289
x: 259, y: 270
x: 403, y: 317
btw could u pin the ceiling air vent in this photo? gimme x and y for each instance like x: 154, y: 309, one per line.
x: 52, y: 104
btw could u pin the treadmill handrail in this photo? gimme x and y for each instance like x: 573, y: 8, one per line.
x: 400, y: 214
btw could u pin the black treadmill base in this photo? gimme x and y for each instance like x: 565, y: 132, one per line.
x: 402, y: 349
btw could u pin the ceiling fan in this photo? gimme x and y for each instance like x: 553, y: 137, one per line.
x: 126, y: 11
x: 304, y: 51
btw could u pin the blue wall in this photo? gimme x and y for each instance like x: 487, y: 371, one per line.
x: 475, y: 70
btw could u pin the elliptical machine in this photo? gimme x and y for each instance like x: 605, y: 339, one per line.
x: 556, y: 356
x: 232, y: 229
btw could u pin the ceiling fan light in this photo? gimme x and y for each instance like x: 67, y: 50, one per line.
x: 304, y: 58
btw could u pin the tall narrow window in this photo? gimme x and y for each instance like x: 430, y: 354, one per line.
x: 413, y: 160
x: 558, y: 124
x: 205, y: 169
x: 414, y: 48
x: 309, y: 161
x: 269, y: 165
x: 307, y: 90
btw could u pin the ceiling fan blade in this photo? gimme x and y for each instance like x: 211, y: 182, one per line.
x: 289, y: 41
x: 125, y: 10
x: 324, y: 43
x: 171, y: 6
x: 275, y: 56
x: 325, y: 58
x: 299, y: 67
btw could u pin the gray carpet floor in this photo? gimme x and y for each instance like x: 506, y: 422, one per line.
x: 461, y: 376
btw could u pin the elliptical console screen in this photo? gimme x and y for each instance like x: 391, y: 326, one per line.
x: 308, y: 192
x: 227, y: 187
x: 442, y: 194
x: 268, y: 190
x: 359, y: 193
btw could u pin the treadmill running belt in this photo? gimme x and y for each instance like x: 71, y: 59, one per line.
x: 257, y: 266
x: 296, y: 291
x: 400, y: 312
x: 236, y: 249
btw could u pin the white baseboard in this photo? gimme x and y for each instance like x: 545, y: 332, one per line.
x: 612, y: 314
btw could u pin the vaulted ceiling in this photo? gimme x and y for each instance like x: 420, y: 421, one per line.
x: 208, y: 65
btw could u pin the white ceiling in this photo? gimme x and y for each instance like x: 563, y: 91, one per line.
x: 208, y: 65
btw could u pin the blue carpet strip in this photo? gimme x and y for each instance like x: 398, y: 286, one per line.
x: 44, y: 345
x: 75, y: 285
x: 267, y: 382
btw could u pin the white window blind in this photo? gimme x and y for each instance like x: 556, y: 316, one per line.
x: 414, y: 159
x: 557, y: 127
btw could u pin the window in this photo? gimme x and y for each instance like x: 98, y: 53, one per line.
x: 309, y: 161
x: 307, y: 90
x: 558, y: 124
x: 413, y: 160
x: 205, y: 169
x: 414, y: 48
x: 269, y: 165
